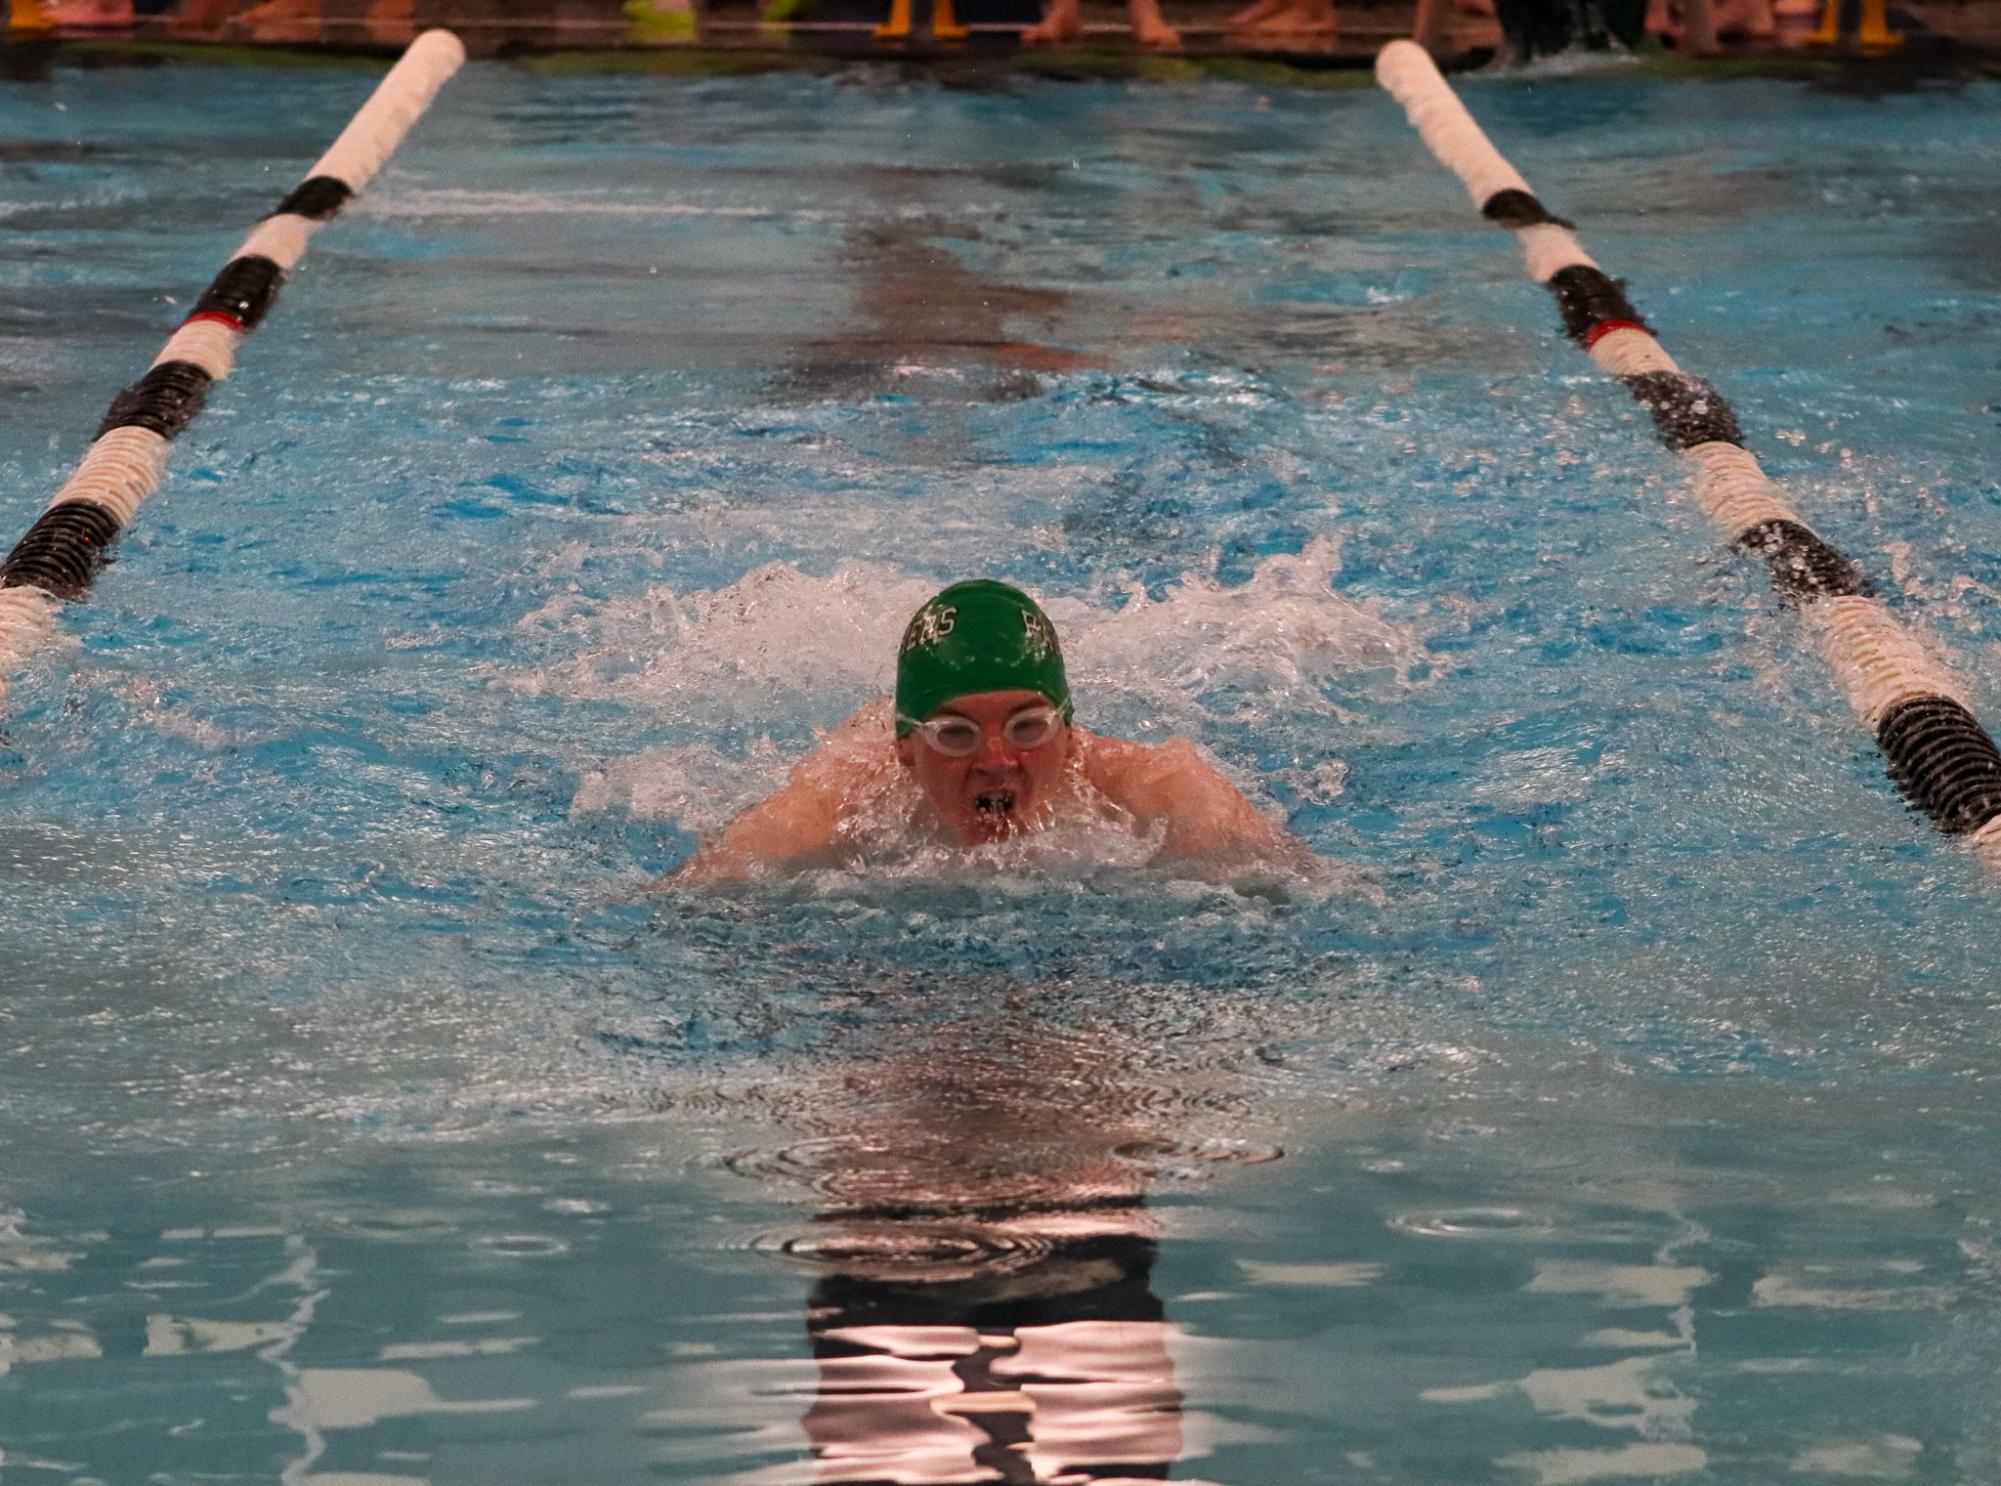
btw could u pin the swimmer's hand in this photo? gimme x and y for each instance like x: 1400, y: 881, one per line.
x: 710, y: 867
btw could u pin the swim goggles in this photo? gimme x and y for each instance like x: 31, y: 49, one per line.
x: 959, y: 737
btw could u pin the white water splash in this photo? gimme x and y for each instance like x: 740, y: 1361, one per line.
x: 780, y: 646
x: 1271, y: 645
x: 697, y: 787
x: 27, y: 625
x: 772, y: 645
x: 780, y: 641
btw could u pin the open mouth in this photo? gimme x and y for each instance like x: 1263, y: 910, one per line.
x: 995, y: 805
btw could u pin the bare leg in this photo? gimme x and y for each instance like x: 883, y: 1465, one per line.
x: 1150, y: 28
x: 1062, y: 21
x: 1431, y: 26
x: 91, y: 14
x: 390, y: 20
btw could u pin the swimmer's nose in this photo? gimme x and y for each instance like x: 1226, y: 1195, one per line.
x: 994, y: 756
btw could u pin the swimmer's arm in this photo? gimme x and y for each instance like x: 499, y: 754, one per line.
x: 1208, y: 819
x: 796, y: 827
x: 792, y: 828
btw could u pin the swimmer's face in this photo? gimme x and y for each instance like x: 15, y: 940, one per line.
x: 996, y: 790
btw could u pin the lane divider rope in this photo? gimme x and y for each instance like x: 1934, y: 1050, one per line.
x: 59, y: 557
x: 1938, y: 754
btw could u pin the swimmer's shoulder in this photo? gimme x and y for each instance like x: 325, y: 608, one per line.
x: 1110, y: 763
x: 869, y: 725
x: 859, y: 750
x: 1172, y: 781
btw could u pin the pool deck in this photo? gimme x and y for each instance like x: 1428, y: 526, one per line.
x: 1944, y: 38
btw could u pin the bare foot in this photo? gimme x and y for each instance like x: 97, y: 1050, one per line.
x: 1294, y: 26
x: 91, y: 15
x: 1746, y: 18
x: 282, y: 20
x: 1063, y: 23
x: 1297, y: 20
x: 1156, y: 36
x: 1252, y: 15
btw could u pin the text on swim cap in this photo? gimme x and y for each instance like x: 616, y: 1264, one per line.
x: 1038, y: 638
x: 928, y: 627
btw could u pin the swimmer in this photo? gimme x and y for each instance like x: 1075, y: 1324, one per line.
x: 982, y: 749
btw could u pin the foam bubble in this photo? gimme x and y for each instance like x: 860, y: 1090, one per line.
x: 697, y: 787
x: 775, y: 645
x: 1268, y: 648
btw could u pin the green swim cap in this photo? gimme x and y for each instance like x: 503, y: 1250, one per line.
x: 976, y: 636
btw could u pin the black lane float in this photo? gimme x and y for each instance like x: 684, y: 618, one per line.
x: 1939, y: 755
x: 61, y: 553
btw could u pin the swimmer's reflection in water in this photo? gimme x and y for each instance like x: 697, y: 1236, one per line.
x: 1057, y: 1372
x: 983, y: 1309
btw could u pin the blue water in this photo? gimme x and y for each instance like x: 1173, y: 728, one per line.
x: 1625, y: 1109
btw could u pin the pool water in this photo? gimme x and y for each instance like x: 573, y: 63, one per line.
x: 1623, y: 1107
